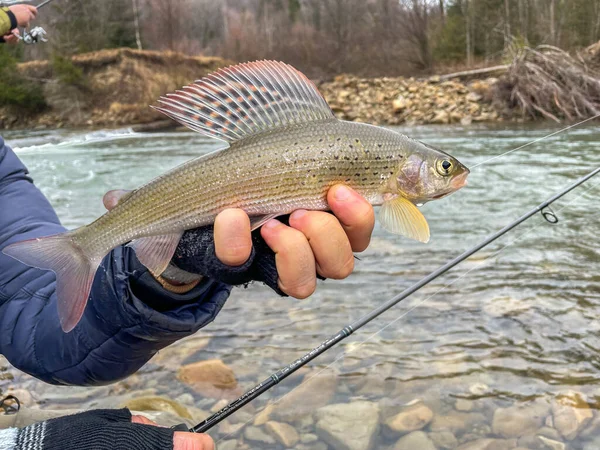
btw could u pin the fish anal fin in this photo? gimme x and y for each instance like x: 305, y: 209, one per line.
x: 74, y: 271
x: 245, y: 99
x: 155, y: 252
x: 400, y: 216
x: 258, y: 221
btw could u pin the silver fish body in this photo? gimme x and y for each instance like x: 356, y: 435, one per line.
x: 287, y: 169
x: 286, y: 149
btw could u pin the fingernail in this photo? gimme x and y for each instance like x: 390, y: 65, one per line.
x: 273, y: 223
x: 298, y: 214
x: 343, y: 194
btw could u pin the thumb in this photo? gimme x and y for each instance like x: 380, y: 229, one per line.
x: 111, y: 198
x: 192, y: 441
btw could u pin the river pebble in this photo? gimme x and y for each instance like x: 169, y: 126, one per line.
x: 348, y: 426
x: 414, y: 440
x: 411, y: 419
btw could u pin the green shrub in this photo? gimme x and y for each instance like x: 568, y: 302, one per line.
x: 67, y: 72
x: 15, y: 91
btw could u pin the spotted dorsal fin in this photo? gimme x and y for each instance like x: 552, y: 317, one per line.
x: 246, y: 99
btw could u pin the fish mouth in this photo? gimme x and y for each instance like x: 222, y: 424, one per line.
x: 459, y: 181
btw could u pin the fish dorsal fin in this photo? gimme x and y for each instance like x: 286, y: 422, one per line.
x: 246, y: 99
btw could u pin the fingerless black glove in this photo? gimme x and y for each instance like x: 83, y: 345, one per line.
x: 101, y: 429
x: 196, y: 254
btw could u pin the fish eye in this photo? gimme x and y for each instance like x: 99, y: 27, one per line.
x: 444, y: 167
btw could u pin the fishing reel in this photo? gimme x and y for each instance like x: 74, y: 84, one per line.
x: 36, y: 34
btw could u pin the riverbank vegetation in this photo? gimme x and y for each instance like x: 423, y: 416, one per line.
x: 532, y: 56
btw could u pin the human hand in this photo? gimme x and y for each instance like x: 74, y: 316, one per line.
x: 12, y: 37
x: 287, y: 254
x: 106, y: 429
x: 24, y: 14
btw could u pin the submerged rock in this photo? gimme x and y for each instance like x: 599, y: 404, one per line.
x: 413, y: 441
x: 312, y: 394
x: 519, y: 420
x: 444, y: 440
x: 571, y: 413
x: 157, y: 404
x: 349, y: 426
x: 211, y: 378
x: 411, y: 419
x: 283, y: 433
x: 255, y: 434
x: 457, y: 422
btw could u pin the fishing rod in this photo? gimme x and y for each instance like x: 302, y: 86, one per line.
x: 37, y: 34
x: 274, y: 379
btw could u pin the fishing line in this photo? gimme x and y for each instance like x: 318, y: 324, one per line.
x: 275, y: 378
x: 479, y: 265
x: 407, y: 312
x: 536, y: 140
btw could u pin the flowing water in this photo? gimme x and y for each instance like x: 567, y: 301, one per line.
x: 516, y: 326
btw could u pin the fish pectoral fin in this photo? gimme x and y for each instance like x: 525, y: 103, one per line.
x: 257, y: 221
x: 155, y: 252
x: 401, y: 216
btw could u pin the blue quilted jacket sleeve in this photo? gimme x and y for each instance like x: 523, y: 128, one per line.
x: 129, y: 316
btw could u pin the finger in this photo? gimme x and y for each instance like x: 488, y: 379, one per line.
x: 111, y: 198
x: 192, y: 441
x: 294, y: 258
x: 328, y: 241
x: 355, y: 214
x: 33, y: 10
x: 233, y: 241
x: 143, y: 420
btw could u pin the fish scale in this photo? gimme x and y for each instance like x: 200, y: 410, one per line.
x: 286, y: 149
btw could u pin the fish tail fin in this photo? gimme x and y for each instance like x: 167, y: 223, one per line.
x: 73, y: 268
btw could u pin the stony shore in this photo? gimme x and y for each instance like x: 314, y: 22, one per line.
x: 119, y: 85
x: 324, y: 411
x: 396, y: 101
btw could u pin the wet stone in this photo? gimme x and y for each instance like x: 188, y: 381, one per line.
x: 571, y: 414
x: 314, y: 446
x: 463, y: 405
x: 411, y: 419
x: 157, y: 404
x: 312, y: 394
x: 263, y: 416
x: 185, y: 399
x: 415, y: 440
x: 283, y: 433
x: 549, y: 433
x: 211, y: 378
x: 489, y: 444
x: 231, y: 444
x: 457, y: 422
x: 305, y: 423
x: 228, y: 429
x: 309, y: 438
x: 443, y: 439
x: 519, y: 420
x: 255, y: 434
x: 552, y: 444
x: 348, y: 426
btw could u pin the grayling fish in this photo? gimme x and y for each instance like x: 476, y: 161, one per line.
x: 286, y: 149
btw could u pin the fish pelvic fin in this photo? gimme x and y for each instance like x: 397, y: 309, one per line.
x: 246, y: 99
x: 400, y: 216
x: 155, y: 252
x: 74, y: 271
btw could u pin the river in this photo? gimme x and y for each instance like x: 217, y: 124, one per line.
x: 505, y: 346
